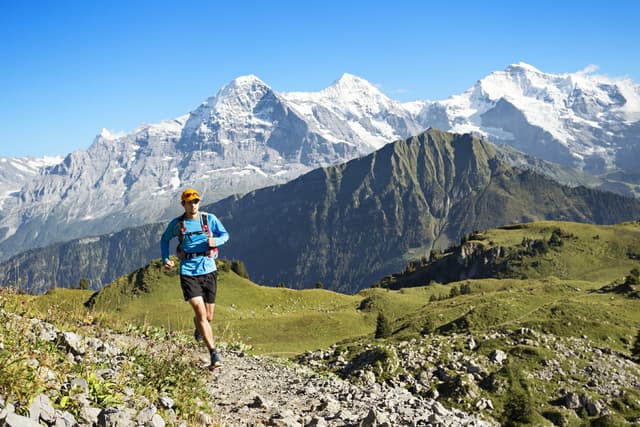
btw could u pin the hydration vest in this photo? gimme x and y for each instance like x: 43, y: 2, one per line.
x: 212, y: 252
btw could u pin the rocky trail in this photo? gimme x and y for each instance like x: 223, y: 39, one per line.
x: 246, y: 391
x: 250, y: 390
x: 254, y: 391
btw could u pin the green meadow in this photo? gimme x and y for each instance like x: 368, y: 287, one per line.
x: 559, y: 291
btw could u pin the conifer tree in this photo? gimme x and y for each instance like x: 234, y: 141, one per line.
x: 635, y: 350
x: 383, y: 328
x: 238, y: 267
x: 83, y: 284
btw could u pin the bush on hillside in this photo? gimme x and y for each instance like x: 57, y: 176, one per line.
x: 239, y: 268
x: 383, y: 328
x: 635, y: 350
x: 518, y: 410
x: 428, y: 326
x: 465, y: 289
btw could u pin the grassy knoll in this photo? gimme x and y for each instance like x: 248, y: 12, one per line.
x: 270, y: 320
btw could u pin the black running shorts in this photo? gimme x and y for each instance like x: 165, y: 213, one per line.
x: 205, y: 286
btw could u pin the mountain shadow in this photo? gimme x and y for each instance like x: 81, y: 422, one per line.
x: 347, y: 226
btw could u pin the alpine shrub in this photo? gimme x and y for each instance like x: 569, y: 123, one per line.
x: 635, y: 350
x: 383, y: 328
x: 238, y: 267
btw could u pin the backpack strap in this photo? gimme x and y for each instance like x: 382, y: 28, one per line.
x: 204, y: 223
x: 182, y: 229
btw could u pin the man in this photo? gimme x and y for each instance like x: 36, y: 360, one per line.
x: 199, y: 235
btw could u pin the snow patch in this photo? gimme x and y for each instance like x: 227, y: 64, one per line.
x: 88, y: 240
x: 175, y: 181
x: 110, y: 135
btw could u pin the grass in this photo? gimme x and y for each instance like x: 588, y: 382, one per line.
x: 269, y: 320
x: 559, y: 292
x: 167, y: 368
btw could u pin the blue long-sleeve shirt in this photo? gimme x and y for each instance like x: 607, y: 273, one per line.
x: 195, y: 241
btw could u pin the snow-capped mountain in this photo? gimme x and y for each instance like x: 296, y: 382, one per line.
x: 16, y: 172
x: 249, y: 136
x: 245, y: 137
x: 354, y: 110
x: 578, y: 119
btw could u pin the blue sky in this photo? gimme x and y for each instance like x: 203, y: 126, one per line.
x: 70, y: 68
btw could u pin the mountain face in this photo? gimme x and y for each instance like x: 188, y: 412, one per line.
x: 249, y: 136
x: 349, y: 225
x: 16, y: 172
x: 245, y: 137
x: 577, y: 119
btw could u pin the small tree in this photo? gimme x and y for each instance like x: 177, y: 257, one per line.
x: 428, y: 326
x: 83, y: 284
x: 238, y: 267
x: 383, y: 328
x: 454, y: 292
x: 635, y: 350
x: 223, y: 265
x: 319, y: 285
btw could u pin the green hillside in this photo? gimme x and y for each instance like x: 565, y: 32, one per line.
x: 502, y: 272
x: 563, y: 250
x: 270, y: 320
x: 561, y: 300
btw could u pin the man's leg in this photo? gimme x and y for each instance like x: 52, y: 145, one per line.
x: 210, y: 310
x: 202, y: 311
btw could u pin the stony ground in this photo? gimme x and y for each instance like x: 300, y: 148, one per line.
x: 265, y: 391
x: 246, y: 391
x: 254, y: 391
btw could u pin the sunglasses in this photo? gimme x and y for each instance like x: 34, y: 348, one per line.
x: 194, y: 201
x: 189, y: 194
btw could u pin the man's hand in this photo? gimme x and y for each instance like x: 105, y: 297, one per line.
x: 169, y: 264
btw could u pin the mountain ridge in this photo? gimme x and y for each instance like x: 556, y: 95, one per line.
x: 349, y: 225
x: 249, y: 136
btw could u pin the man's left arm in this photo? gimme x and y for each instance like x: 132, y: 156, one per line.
x: 219, y: 233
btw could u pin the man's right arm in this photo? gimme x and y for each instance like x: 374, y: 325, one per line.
x: 164, y: 243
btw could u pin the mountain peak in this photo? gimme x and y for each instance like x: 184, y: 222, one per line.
x: 243, y: 84
x: 351, y: 84
x: 522, y: 67
x: 109, y: 135
x: 238, y: 96
x: 247, y: 80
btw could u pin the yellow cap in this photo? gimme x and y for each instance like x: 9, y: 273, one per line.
x: 190, y: 194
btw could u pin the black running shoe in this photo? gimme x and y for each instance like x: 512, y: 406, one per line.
x: 216, y: 362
